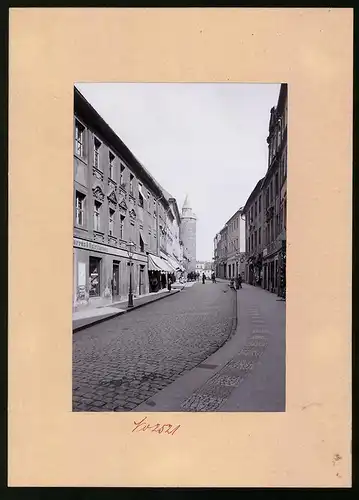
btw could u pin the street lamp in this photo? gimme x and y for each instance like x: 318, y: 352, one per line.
x: 130, y: 245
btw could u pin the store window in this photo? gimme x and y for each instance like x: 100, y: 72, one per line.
x: 95, y: 276
x: 80, y: 209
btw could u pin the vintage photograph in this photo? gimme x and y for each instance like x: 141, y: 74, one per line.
x: 179, y: 247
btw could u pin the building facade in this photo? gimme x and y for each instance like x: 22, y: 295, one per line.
x: 266, y: 209
x: 116, y: 201
x: 221, y: 252
x: 229, y: 248
x: 188, y: 236
x: 274, y: 190
x: 236, y: 245
x: 254, y: 217
x: 204, y: 267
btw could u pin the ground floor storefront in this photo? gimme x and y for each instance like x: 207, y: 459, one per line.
x: 269, y: 270
x: 102, y: 274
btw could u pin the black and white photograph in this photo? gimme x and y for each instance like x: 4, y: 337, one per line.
x: 179, y: 247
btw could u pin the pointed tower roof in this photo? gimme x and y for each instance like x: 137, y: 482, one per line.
x: 186, y: 203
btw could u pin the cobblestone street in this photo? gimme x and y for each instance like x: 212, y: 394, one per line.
x: 124, y: 361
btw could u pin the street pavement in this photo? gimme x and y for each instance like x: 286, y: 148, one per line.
x: 125, y: 361
x: 246, y: 374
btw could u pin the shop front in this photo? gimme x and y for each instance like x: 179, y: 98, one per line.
x: 158, y: 272
x: 101, y: 274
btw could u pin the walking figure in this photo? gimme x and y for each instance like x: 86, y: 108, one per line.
x: 214, y: 278
x: 239, y: 282
x: 203, y: 279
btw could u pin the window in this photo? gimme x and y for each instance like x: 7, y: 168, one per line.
x: 96, y: 153
x: 140, y: 197
x: 255, y: 239
x: 267, y: 197
x: 260, y: 204
x: 276, y: 184
x: 80, y: 205
x: 142, y: 245
x: 79, y: 138
x: 259, y: 236
x: 111, y: 166
x: 122, y: 171
x: 111, y: 218
x: 131, y: 184
x: 255, y: 209
x: 96, y: 216
x: 122, y: 223
x: 95, y: 276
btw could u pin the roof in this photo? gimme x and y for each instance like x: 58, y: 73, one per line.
x: 253, y: 193
x: 85, y: 110
x: 186, y: 203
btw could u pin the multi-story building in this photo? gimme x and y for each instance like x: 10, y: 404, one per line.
x: 266, y: 208
x: 116, y: 202
x: 170, y: 243
x: 236, y: 245
x: 254, y: 216
x: 274, y: 188
x: 188, y: 236
x: 204, y: 267
x: 229, y: 248
x: 220, y: 252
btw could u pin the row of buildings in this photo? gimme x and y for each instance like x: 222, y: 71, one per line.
x: 122, y: 216
x: 261, y: 255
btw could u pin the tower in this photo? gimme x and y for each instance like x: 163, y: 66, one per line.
x: 188, y: 235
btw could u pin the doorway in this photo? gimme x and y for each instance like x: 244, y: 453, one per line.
x: 115, y: 280
x: 141, y: 280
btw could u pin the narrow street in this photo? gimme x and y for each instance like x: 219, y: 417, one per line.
x: 124, y: 361
x: 203, y: 349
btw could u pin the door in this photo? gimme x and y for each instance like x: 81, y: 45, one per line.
x: 141, y: 280
x: 115, y: 279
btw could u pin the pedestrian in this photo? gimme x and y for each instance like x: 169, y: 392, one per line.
x: 203, y: 279
x: 169, y: 283
x: 213, y: 278
x: 239, y: 280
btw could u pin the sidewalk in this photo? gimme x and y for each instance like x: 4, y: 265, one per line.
x: 246, y: 374
x: 89, y: 317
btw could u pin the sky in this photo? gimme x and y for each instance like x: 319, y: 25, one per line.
x: 205, y: 140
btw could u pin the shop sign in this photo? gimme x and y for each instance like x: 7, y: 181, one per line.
x: 96, y: 247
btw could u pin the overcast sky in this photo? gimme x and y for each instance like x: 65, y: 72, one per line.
x: 204, y: 140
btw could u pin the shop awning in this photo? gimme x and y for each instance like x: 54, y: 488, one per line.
x: 156, y: 263
x: 174, y: 262
x: 167, y: 258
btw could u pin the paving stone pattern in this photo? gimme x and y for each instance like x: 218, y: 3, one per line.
x: 122, y: 362
x: 218, y: 388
